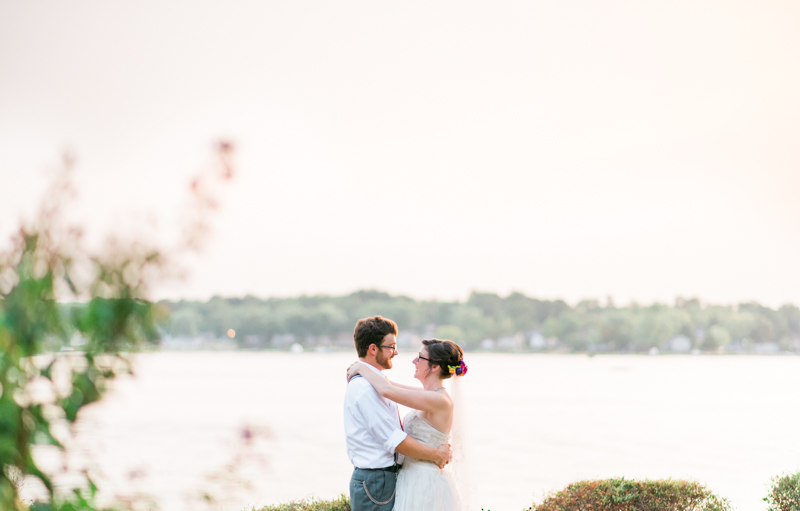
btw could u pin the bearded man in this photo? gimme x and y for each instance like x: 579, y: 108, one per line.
x: 376, y: 442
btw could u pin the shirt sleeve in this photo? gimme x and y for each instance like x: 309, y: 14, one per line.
x: 381, y: 424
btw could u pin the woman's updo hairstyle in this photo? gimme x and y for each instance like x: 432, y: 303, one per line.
x: 444, y: 353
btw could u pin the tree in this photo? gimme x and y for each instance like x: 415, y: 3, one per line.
x: 717, y: 336
x: 450, y: 332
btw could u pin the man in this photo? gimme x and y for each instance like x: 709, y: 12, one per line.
x: 376, y: 442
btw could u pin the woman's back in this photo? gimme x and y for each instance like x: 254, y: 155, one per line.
x: 440, y: 418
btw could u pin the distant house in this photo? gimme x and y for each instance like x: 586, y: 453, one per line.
x: 511, y: 341
x: 736, y: 346
x: 252, y: 341
x: 537, y: 340
x: 487, y: 344
x: 766, y: 347
x: 182, y: 343
x: 679, y: 344
x: 283, y: 339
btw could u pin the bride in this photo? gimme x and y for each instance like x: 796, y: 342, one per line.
x: 421, y: 485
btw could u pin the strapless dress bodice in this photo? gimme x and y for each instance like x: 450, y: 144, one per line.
x: 421, y: 430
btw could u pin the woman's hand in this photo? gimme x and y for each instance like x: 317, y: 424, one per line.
x: 445, y: 456
x: 354, y: 369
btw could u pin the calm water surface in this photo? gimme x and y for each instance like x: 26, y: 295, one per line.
x: 534, y: 423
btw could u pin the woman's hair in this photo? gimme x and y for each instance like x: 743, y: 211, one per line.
x: 443, y: 352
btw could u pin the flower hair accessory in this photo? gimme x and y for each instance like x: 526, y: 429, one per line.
x: 459, y: 370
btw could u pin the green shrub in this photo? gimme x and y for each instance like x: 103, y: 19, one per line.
x: 342, y: 503
x: 784, y: 495
x: 626, y: 495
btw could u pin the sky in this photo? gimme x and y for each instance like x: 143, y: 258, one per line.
x: 638, y: 150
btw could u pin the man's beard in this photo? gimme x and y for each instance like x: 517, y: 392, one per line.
x: 384, y: 362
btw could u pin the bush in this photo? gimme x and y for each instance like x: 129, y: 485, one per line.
x: 626, y: 495
x: 342, y: 503
x: 784, y: 494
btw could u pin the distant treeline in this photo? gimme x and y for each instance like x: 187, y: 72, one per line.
x: 487, y: 320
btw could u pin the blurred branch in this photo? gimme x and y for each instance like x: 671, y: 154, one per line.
x: 203, y: 196
x: 56, y: 358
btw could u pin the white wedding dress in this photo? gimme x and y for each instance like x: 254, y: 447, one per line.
x: 421, y: 486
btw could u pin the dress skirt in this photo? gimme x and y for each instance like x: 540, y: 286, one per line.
x: 421, y: 486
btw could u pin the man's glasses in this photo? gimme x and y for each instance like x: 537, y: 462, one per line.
x: 392, y: 347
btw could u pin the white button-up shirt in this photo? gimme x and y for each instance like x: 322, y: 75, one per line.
x: 371, y: 425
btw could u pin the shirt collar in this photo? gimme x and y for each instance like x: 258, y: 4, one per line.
x: 375, y: 369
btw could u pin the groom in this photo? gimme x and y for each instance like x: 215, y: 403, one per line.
x: 375, y: 436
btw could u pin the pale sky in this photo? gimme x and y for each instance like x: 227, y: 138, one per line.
x: 642, y: 150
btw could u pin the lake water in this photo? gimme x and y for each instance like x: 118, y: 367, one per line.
x: 535, y: 424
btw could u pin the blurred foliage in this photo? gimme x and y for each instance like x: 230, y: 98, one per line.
x: 784, y: 494
x: 586, y: 326
x: 42, y: 389
x: 342, y: 503
x: 620, y: 494
x: 69, y: 317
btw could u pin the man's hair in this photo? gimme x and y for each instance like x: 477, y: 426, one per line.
x: 372, y: 331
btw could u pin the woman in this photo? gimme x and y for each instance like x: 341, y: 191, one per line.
x: 421, y: 486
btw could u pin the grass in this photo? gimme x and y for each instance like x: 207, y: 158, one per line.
x: 341, y: 503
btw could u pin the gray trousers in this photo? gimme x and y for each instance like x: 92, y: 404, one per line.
x: 373, y: 489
